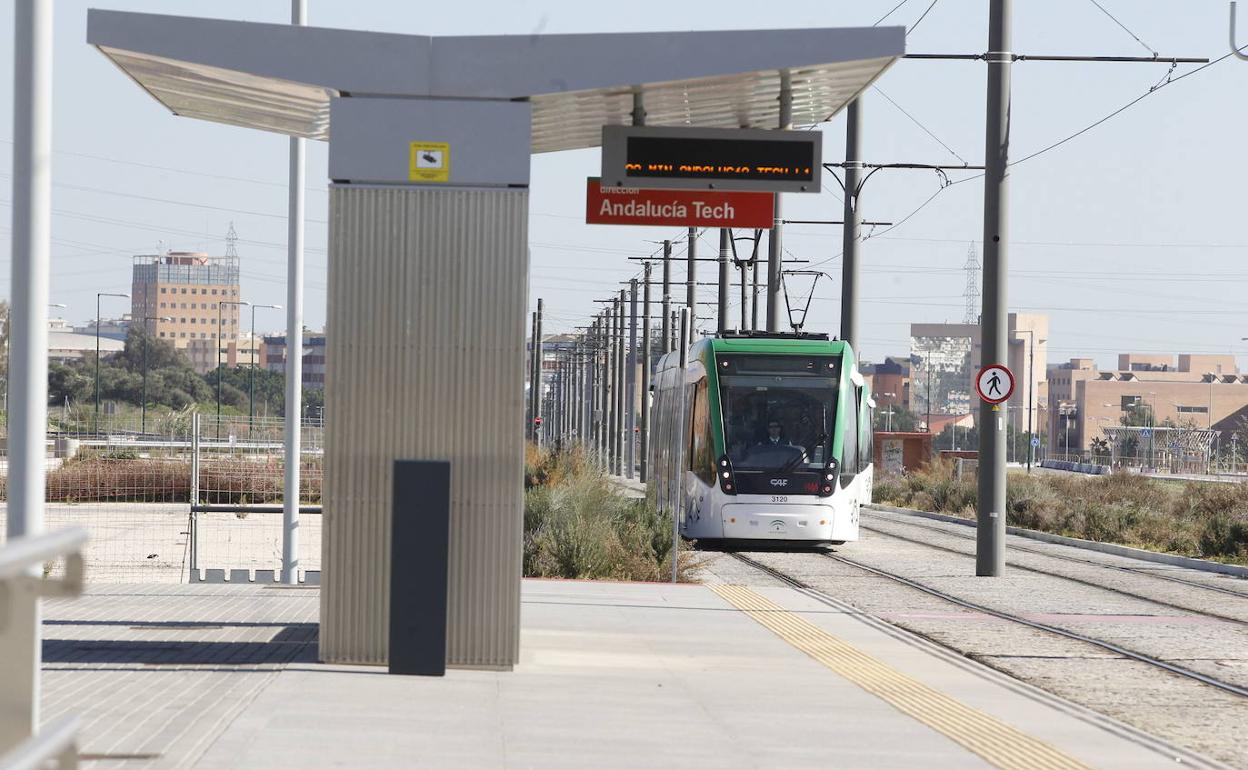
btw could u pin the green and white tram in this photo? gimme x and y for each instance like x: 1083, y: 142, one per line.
x: 762, y: 438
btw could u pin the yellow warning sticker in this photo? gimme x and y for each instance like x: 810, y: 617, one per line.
x: 429, y: 162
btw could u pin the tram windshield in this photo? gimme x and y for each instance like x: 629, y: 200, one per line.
x: 778, y: 411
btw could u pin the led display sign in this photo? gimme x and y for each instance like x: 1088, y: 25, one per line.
x: 711, y: 158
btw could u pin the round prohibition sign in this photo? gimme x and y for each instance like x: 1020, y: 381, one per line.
x: 994, y: 383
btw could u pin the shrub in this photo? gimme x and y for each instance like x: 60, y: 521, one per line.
x: 1196, y: 518
x: 577, y: 525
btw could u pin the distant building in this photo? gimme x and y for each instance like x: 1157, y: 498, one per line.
x: 67, y: 344
x: 945, y: 357
x: 110, y: 328
x: 1196, y: 391
x: 186, y: 296
x: 890, y: 381
x: 273, y: 353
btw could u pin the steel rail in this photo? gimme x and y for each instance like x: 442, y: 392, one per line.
x: 1076, y: 559
x: 1070, y: 578
x: 974, y: 607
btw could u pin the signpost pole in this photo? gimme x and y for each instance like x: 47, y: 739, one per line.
x: 537, y: 375
x: 775, y: 244
x: 604, y: 388
x: 722, y: 310
x: 667, y: 296
x: 631, y: 422
x: 685, y: 317
x: 853, y: 224
x: 754, y: 296
x: 646, y: 363
x: 530, y: 423
x: 745, y: 301
x: 619, y: 384
x: 691, y: 290
x: 613, y: 417
x: 990, y: 508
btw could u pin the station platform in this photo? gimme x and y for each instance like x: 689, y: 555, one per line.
x: 612, y: 675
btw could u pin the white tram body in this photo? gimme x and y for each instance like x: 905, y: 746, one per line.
x: 764, y: 439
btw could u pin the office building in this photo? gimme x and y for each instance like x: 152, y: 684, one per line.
x: 182, y: 296
x: 1185, y: 391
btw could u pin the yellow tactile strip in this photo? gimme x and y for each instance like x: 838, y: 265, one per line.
x: 996, y: 742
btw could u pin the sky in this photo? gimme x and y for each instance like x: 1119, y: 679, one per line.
x: 1132, y: 236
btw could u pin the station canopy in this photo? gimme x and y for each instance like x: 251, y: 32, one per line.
x: 281, y: 78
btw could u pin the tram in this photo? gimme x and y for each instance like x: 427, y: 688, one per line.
x: 762, y: 438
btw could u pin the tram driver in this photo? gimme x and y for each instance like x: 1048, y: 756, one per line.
x: 773, y: 438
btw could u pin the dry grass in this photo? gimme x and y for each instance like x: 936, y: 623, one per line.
x: 93, y: 478
x: 1200, y: 519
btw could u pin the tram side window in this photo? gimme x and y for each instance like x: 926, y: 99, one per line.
x: 701, y: 459
x: 849, y: 454
x: 866, y: 442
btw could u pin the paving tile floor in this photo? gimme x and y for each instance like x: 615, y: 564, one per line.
x: 612, y: 675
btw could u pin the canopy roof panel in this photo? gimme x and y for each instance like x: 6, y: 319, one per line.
x: 281, y: 78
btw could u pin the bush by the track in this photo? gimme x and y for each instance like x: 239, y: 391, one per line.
x: 1204, y: 520
x: 578, y: 525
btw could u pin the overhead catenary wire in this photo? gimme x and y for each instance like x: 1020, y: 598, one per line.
x: 1136, y: 37
x: 918, y: 123
x: 923, y: 16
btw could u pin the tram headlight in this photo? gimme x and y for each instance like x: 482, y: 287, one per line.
x: 828, y: 483
x: 726, y: 480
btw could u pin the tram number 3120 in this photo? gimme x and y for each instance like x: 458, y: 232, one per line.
x: 779, y: 498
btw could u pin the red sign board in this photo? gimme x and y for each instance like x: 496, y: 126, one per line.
x: 677, y: 208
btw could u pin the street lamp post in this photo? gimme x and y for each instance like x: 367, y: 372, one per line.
x: 1031, y: 389
x: 220, y: 369
x: 146, y: 342
x: 98, y: 295
x: 251, y: 386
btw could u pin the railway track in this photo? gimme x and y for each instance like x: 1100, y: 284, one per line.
x: 1091, y: 562
x: 1061, y: 576
x: 1172, y: 668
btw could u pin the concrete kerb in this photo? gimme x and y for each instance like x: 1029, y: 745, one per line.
x: 1088, y: 545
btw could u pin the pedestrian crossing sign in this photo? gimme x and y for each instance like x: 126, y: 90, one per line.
x: 994, y: 383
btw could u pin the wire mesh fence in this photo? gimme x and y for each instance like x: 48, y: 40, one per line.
x: 164, y: 496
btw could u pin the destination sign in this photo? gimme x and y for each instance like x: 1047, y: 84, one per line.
x: 677, y: 208
x: 711, y: 158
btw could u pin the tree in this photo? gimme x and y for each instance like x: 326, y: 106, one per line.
x: 1139, y: 415
x: 171, y: 381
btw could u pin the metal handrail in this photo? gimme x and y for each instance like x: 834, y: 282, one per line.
x: 21, y: 553
x: 58, y: 740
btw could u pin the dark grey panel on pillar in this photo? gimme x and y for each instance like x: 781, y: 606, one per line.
x: 419, y: 539
x: 427, y: 304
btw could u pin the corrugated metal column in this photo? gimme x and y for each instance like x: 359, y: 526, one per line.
x: 427, y: 304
